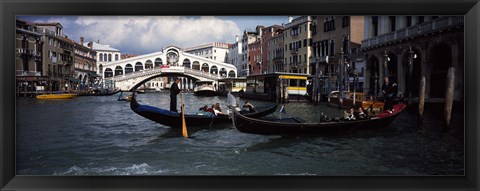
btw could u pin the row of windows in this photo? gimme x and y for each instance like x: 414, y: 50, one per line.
x: 107, y: 57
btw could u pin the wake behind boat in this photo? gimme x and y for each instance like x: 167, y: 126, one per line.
x: 295, y: 126
x: 174, y: 119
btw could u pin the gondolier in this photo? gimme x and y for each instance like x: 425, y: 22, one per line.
x: 174, y: 91
x: 389, y: 91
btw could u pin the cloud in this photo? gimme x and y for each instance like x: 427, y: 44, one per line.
x: 146, y: 34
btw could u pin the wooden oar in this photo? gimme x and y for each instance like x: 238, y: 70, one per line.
x: 184, y: 125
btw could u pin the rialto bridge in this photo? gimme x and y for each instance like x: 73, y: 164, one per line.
x: 129, y: 74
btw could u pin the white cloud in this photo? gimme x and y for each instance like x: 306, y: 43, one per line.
x: 151, y: 33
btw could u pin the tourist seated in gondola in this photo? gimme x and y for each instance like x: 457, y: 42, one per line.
x: 349, y: 115
x: 205, y: 111
x: 249, y: 107
x: 360, y: 115
x: 217, y: 110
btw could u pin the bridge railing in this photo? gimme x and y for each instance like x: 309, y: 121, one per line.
x: 159, y: 69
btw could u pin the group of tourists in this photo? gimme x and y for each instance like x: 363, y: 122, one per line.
x: 215, y: 110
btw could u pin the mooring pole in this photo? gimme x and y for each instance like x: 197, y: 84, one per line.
x: 421, y: 101
x: 450, y: 89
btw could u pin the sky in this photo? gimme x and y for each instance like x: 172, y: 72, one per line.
x: 147, y: 34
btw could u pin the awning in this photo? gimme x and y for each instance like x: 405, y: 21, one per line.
x: 92, y: 74
x: 75, y: 80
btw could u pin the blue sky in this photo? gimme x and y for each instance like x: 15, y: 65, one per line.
x: 146, y: 34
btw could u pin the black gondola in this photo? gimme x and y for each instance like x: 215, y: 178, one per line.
x: 294, y: 126
x: 173, y: 119
x: 99, y: 93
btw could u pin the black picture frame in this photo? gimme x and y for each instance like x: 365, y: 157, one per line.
x: 9, y: 9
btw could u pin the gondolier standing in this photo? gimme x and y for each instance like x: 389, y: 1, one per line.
x: 389, y: 91
x: 174, y: 91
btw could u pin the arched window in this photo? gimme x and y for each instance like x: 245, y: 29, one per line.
x: 101, y: 57
x: 109, y: 57
x: 105, y: 57
x: 116, y: 57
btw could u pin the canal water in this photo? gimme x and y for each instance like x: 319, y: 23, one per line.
x: 103, y: 136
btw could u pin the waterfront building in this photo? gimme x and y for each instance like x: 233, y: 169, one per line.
x: 405, y: 48
x: 249, y: 37
x: 255, y: 57
x: 217, y: 51
x: 235, y: 54
x: 298, y: 41
x: 57, y: 56
x: 28, y: 58
x: 275, y: 52
x: 336, y: 52
x: 266, y: 34
x: 85, y: 65
x: 105, y: 54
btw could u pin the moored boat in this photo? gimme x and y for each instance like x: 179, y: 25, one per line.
x: 173, y: 119
x: 360, y: 100
x: 55, y: 96
x: 297, y: 126
x: 204, y: 88
x: 99, y: 93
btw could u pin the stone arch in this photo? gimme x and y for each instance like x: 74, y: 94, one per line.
x: 128, y: 68
x: 148, y: 64
x: 108, y: 72
x: 205, y: 67
x: 223, y: 72
x: 196, y: 65
x: 231, y: 74
x: 118, y: 71
x: 439, y: 63
x: 214, y: 70
x: 138, y: 66
x: 158, y: 62
x: 186, y: 63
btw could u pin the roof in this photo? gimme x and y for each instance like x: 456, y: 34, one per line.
x: 104, y: 47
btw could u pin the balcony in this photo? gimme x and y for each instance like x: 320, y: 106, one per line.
x: 414, y: 31
x: 27, y: 73
x: 294, y: 51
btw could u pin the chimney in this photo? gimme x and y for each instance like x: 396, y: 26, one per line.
x: 236, y: 38
x: 89, y: 45
x: 81, y: 40
x: 290, y: 19
x: 98, y: 41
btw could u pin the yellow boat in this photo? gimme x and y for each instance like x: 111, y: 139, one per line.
x: 56, y: 96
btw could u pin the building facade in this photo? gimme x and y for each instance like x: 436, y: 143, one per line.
x: 235, y: 54
x: 406, y: 48
x: 248, y: 38
x: 85, y: 66
x: 298, y: 49
x: 336, y: 52
x: 217, y: 51
x: 275, y: 52
x: 266, y: 34
x: 58, y: 55
x: 28, y: 58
